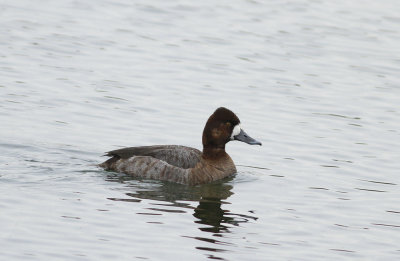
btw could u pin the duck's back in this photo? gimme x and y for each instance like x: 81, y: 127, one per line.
x: 178, y: 156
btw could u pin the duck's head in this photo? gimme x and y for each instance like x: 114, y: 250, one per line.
x: 222, y: 127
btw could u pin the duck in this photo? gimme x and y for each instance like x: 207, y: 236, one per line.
x: 181, y: 164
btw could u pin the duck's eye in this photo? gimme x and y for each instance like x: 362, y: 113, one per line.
x: 228, y: 124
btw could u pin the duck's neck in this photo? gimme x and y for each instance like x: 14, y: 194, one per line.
x: 213, y: 152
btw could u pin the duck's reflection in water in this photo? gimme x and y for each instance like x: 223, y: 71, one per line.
x: 171, y: 197
x: 210, y: 210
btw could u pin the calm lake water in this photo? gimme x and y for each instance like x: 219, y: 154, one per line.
x: 316, y: 81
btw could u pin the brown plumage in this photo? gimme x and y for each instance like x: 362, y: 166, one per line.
x: 182, y: 164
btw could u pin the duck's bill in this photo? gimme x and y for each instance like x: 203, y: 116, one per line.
x: 242, y: 136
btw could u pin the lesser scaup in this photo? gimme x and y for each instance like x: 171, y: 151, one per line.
x: 184, y: 164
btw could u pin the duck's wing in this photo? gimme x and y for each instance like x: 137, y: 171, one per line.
x: 178, y: 156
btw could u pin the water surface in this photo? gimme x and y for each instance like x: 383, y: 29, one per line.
x: 315, y: 81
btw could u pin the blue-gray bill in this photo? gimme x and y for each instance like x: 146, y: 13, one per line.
x: 243, y: 136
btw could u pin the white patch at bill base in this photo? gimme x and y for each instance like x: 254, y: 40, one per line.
x: 236, y: 130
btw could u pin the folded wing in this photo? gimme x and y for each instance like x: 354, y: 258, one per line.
x: 178, y: 156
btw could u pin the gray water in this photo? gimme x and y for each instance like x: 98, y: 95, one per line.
x: 316, y: 81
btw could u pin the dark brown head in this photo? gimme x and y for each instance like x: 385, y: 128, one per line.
x: 222, y: 127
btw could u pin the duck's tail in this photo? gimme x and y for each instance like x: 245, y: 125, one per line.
x: 110, y: 163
